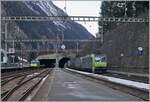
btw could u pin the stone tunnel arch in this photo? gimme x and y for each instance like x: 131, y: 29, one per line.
x: 63, y: 61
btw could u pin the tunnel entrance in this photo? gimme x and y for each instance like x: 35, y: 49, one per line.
x: 47, y: 63
x: 63, y: 61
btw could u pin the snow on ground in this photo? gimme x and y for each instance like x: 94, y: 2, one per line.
x: 117, y: 80
x: 126, y: 82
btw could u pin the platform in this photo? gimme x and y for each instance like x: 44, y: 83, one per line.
x: 63, y: 86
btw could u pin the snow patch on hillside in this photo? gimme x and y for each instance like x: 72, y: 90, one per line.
x: 58, y: 23
x: 31, y: 8
x: 48, y: 8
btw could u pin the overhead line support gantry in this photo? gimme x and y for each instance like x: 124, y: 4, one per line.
x: 73, y: 18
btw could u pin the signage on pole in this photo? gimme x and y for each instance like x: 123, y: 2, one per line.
x: 11, y: 50
x: 63, y: 46
x: 140, y: 48
x: 139, y: 51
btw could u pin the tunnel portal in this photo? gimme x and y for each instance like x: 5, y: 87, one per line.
x: 47, y: 63
x: 63, y: 61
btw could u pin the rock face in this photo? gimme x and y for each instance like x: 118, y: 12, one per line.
x: 121, y: 46
x: 39, y: 30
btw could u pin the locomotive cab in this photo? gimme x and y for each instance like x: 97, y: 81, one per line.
x: 100, y: 62
x: 35, y: 63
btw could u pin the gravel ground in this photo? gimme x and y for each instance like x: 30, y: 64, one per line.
x: 62, y: 86
x: 19, y: 92
x: 42, y: 93
x: 16, y: 81
x: 10, y: 84
x: 14, y: 73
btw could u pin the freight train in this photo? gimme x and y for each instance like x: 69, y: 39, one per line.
x: 96, y: 63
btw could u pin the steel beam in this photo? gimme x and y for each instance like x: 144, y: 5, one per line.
x: 51, y: 50
x: 73, y: 18
x: 49, y: 40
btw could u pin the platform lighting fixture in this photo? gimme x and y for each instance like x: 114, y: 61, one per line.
x: 121, y: 54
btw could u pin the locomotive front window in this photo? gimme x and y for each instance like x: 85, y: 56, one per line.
x: 34, y: 62
x: 97, y: 59
x: 103, y: 59
x: 100, y: 59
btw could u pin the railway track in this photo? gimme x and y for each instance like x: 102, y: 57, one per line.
x: 14, y: 73
x: 9, y: 81
x: 128, y: 77
x: 24, y: 86
x: 5, y: 79
x: 123, y: 76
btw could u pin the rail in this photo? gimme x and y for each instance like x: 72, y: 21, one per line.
x: 41, y: 75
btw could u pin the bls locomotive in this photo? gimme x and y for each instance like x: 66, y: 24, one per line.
x: 93, y: 62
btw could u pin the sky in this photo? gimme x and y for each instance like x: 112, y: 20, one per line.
x: 82, y: 8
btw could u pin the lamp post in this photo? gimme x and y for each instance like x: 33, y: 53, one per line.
x: 6, y: 33
x: 125, y: 9
x: 56, y: 52
x: 134, y: 9
x: 93, y: 68
x: 139, y: 53
x: 121, y: 56
x: 77, y: 48
x: 14, y: 52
